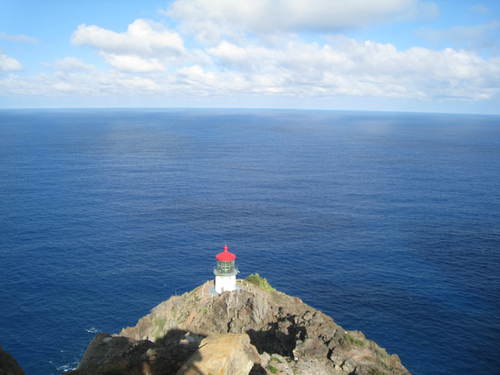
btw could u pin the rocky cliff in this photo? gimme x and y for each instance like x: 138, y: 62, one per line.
x: 8, y: 365
x: 278, y: 334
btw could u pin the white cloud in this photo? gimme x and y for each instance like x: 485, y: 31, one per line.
x: 198, y: 80
x: 212, y: 18
x: 72, y: 64
x: 247, y: 57
x: 146, y: 46
x: 132, y: 63
x: 87, y: 83
x: 17, y: 38
x: 143, y: 37
x: 341, y: 67
x: 9, y: 63
x: 349, y: 67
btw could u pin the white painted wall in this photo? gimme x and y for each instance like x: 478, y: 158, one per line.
x: 225, y: 283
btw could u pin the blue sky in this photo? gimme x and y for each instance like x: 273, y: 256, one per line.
x: 396, y: 55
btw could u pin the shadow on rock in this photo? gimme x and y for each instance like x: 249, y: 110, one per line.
x: 108, y: 354
x: 257, y: 369
x: 280, y: 338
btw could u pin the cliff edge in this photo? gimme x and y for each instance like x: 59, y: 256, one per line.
x: 286, y: 336
x: 8, y: 364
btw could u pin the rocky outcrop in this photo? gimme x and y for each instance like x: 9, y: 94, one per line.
x: 8, y: 365
x: 290, y: 336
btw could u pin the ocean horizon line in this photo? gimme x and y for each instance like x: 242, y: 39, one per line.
x: 264, y: 109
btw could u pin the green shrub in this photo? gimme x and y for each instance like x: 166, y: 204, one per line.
x: 273, y: 369
x: 260, y: 281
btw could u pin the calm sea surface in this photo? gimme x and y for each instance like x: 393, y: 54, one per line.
x: 388, y: 222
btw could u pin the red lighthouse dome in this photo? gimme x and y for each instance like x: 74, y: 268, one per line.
x: 225, y: 256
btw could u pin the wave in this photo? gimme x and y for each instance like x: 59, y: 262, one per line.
x: 67, y: 367
x: 92, y: 330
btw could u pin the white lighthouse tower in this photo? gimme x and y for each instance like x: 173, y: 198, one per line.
x: 225, y: 271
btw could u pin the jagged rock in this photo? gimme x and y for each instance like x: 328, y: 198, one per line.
x: 103, y: 348
x: 264, y: 359
x: 108, y: 354
x: 8, y: 365
x: 306, y: 340
x: 222, y: 354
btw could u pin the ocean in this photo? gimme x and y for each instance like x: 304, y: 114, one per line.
x: 388, y: 222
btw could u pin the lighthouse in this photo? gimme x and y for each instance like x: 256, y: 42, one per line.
x: 225, y: 271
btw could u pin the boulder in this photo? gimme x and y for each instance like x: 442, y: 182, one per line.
x: 222, y: 354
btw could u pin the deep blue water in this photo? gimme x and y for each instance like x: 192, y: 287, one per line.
x: 388, y: 222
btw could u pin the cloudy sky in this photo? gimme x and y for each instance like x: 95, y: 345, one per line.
x: 401, y: 55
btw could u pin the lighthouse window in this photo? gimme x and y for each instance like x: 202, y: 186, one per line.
x: 225, y: 267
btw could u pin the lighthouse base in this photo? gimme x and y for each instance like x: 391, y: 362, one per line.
x: 225, y: 283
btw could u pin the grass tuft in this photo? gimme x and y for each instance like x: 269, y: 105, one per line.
x: 260, y: 281
x: 276, y: 359
x: 353, y: 340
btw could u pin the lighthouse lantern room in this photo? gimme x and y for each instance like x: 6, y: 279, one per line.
x: 225, y: 271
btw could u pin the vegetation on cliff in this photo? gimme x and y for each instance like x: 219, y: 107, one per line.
x: 260, y: 281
